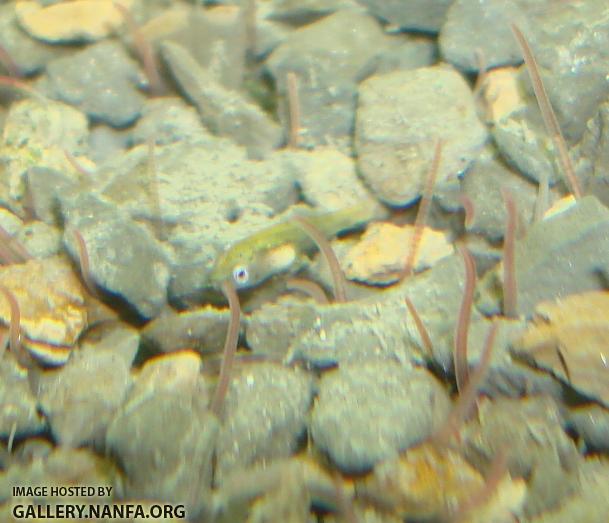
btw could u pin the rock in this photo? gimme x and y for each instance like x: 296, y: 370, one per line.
x: 484, y: 27
x: 75, y: 21
x: 171, y: 459
x: 483, y: 184
x: 380, y: 256
x: 407, y: 52
x: 81, y: 398
x: 426, y: 483
x: 28, y: 54
x: 400, y: 116
x: 327, y: 178
x: 591, y: 423
x: 19, y: 415
x: 502, y: 93
x: 418, y: 15
x: 223, y: 111
x: 38, y: 134
x: 265, y: 415
x: 202, y: 330
x: 559, y: 256
x: 124, y: 257
x: 40, y: 240
x: 570, y: 337
x: 44, y: 185
x: 328, y: 58
x: 51, y: 303
x: 369, y: 411
x: 530, y: 431
x: 101, y: 80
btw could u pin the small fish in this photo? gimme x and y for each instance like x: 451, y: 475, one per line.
x: 280, y: 247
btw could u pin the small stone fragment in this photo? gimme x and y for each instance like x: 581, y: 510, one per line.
x: 380, y: 256
x: 368, y: 411
x: 400, y: 116
x: 570, y: 337
x: 72, y: 21
x: 502, y: 93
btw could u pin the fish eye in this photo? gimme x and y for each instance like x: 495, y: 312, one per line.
x: 241, y: 275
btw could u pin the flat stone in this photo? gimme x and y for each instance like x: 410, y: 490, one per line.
x: 381, y: 254
x: 369, y: 411
x: 75, y: 21
x: 400, y: 117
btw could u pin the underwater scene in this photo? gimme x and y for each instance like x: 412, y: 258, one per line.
x: 304, y: 261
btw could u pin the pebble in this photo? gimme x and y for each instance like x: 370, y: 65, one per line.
x: 328, y: 57
x: 591, y: 422
x: 367, y: 412
x: 381, y: 254
x: 101, y: 80
x: 400, y: 116
x: 265, y: 415
x: 75, y: 21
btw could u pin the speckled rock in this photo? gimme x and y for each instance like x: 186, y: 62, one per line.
x: 484, y: 27
x: 81, y: 398
x: 400, y: 116
x: 223, y: 111
x: 101, y: 80
x: 170, y: 459
x: 265, y: 414
x: 328, y: 57
x: 369, y: 411
x: 124, y: 257
x: 560, y: 255
x: 38, y: 134
x: 420, y: 15
x: 70, y: 21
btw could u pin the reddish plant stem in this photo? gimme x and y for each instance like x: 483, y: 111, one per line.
x: 462, y: 328
x: 510, y: 291
x: 293, y: 109
x: 425, y: 338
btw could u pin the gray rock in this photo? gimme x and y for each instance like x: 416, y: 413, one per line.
x: 561, y: 255
x: 39, y: 239
x: 124, y: 257
x: 18, y: 410
x: 202, y: 330
x: 44, y: 186
x: 400, y: 116
x: 168, y: 120
x: 81, y: 398
x: 101, y: 80
x: 28, y: 54
x: 530, y: 431
x: 328, y: 57
x: 483, y: 184
x: 591, y: 422
x: 418, y: 15
x: 409, y: 52
x: 265, y: 415
x: 225, y: 112
x: 370, y: 411
x: 164, y: 435
x: 472, y: 27
x: 573, y: 37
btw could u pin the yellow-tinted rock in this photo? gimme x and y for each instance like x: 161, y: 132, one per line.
x: 501, y: 92
x: 382, y: 253
x: 72, y: 20
x: 50, y: 297
x: 571, y: 338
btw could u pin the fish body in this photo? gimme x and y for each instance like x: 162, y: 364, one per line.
x: 279, y: 247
